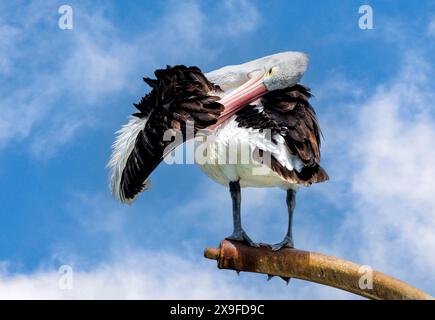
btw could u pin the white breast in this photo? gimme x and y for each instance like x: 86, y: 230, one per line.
x: 228, y: 156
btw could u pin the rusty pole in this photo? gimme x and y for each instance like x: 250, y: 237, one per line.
x: 310, y: 266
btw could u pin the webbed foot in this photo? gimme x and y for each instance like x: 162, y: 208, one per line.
x: 242, y: 236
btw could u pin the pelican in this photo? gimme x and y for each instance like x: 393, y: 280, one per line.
x: 257, y: 106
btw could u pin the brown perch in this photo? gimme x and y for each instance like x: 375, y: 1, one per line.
x: 310, y: 266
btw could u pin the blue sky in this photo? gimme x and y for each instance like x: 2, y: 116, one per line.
x: 63, y: 94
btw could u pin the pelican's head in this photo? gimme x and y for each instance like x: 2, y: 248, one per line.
x: 249, y: 81
x: 284, y: 70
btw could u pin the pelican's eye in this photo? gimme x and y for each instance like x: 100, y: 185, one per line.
x: 269, y: 73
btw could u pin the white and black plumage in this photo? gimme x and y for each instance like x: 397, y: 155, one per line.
x: 258, y: 106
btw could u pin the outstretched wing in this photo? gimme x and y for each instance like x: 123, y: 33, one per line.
x: 291, y: 111
x: 179, y: 95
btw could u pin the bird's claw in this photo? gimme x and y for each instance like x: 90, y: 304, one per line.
x: 286, y: 279
x: 242, y: 236
x: 287, y: 242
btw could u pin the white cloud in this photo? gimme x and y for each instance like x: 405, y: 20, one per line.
x: 144, y: 275
x: 393, y: 188
x: 384, y: 155
x: 155, y: 275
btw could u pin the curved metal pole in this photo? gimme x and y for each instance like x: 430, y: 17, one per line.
x: 310, y: 266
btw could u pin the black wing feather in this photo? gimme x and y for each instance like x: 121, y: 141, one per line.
x: 293, y: 113
x: 288, y: 113
x: 179, y: 94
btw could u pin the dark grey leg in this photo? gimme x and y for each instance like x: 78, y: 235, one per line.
x: 288, y: 240
x: 238, y: 234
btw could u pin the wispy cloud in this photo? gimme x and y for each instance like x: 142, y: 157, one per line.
x: 91, y: 64
x: 8, y: 39
x: 50, y: 103
x: 393, y: 187
x: 383, y: 155
x: 242, y: 16
x: 431, y: 28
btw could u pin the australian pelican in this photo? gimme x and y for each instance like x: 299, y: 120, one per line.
x: 258, y: 105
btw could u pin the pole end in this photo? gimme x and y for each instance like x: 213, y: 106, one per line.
x: 212, y: 253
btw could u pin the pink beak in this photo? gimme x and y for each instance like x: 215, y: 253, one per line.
x: 241, y: 97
